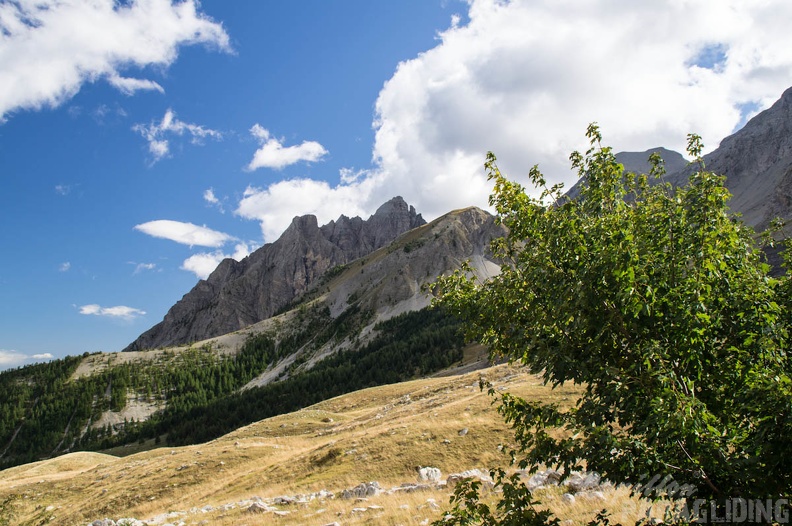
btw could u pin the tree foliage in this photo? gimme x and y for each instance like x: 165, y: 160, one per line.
x: 657, y: 301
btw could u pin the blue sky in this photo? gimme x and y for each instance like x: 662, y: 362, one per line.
x: 143, y: 141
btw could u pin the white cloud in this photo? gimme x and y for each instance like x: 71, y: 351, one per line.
x: 120, y: 311
x: 43, y: 356
x: 11, y: 358
x: 524, y: 79
x: 142, y: 267
x: 184, y: 233
x: 276, y: 205
x: 203, y: 264
x: 349, y: 175
x: 212, y: 200
x: 129, y: 86
x: 64, y: 267
x: 50, y: 48
x: 63, y: 189
x: 272, y: 153
x: 155, y: 132
x: 209, y: 197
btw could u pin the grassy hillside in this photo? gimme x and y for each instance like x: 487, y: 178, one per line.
x: 379, y: 434
x: 194, y: 395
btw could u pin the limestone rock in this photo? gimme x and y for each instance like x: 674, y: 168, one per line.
x: 429, y: 473
x: 549, y: 477
x: 456, y: 478
x: 240, y: 293
x: 578, y: 482
x: 363, y: 490
x: 757, y: 163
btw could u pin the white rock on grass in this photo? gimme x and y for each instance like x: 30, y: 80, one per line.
x: 258, y: 507
x: 548, y: 477
x: 366, y: 489
x: 430, y: 474
x: 456, y: 478
x: 578, y: 482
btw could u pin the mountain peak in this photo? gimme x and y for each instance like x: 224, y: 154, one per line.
x: 396, y: 204
x: 238, y: 294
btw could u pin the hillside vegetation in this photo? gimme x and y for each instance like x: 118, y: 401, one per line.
x: 379, y: 434
x: 194, y: 395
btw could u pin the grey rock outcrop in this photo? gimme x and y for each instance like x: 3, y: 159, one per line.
x: 362, y: 490
x: 638, y: 162
x: 429, y: 473
x: 756, y: 160
x: 240, y: 293
x: 391, y: 280
x: 757, y: 163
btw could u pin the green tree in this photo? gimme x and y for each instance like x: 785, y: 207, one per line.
x: 657, y: 302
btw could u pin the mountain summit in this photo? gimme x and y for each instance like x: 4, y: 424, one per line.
x: 240, y: 293
x: 757, y: 163
x: 756, y: 160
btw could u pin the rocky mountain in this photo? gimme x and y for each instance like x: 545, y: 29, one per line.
x: 757, y: 163
x: 756, y: 160
x: 344, y: 324
x: 238, y: 294
x: 638, y: 162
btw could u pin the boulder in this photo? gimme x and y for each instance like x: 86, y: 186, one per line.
x: 365, y: 489
x: 429, y: 474
x: 578, y: 482
x: 258, y: 507
x: 456, y: 478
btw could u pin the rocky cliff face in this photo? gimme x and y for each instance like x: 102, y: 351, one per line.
x: 240, y: 293
x: 638, y: 162
x: 391, y: 280
x: 757, y: 163
x: 756, y: 160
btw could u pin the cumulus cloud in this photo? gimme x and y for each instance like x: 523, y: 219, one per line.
x: 119, y: 312
x: 272, y: 153
x: 142, y: 267
x: 129, y: 86
x: 43, y: 356
x: 184, y: 233
x: 64, y: 267
x: 203, y: 264
x: 50, y: 48
x: 524, y: 79
x: 276, y: 205
x: 212, y: 200
x: 156, y: 132
x: 11, y: 358
x: 210, y: 197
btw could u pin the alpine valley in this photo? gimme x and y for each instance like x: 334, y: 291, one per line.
x: 322, y: 312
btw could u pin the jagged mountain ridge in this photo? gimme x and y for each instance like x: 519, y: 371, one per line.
x: 638, y: 162
x: 757, y: 163
x: 372, y: 309
x: 756, y: 160
x: 240, y: 293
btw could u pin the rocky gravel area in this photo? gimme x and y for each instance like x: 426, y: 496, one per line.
x: 577, y: 485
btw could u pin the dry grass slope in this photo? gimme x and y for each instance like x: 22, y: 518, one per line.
x: 382, y: 434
